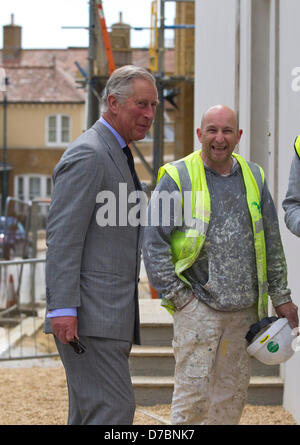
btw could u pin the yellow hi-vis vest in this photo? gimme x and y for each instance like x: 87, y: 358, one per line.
x: 297, y: 145
x: 187, y: 243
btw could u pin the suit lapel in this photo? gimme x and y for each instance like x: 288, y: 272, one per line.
x: 116, y: 153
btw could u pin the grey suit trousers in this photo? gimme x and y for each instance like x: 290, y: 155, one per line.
x: 99, y: 383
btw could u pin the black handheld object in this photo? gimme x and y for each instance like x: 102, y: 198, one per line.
x: 78, y: 347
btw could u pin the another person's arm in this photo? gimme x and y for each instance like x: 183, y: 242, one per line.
x: 291, y: 203
x: 276, y: 262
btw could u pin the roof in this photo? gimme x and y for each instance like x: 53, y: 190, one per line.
x: 140, y: 57
x: 44, y: 76
x: 64, y: 58
x: 41, y: 84
x: 49, y: 75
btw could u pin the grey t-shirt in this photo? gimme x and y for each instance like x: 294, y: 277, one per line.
x: 224, y: 275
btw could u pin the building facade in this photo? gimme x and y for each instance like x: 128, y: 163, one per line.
x: 42, y: 112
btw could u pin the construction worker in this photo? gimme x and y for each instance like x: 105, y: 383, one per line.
x: 291, y: 203
x: 215, y: 268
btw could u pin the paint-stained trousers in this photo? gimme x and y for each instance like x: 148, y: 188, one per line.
x: 212, y: 369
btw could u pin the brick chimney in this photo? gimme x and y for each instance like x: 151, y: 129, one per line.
x: 12, y: 41
x: 120, y: 42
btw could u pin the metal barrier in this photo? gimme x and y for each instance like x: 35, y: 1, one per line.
x: 22, y: 310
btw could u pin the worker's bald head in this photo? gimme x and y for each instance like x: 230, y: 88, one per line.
x: 219, y: 110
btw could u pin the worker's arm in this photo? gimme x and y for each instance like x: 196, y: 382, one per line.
x: 291, y: 203
x: 157, y: 256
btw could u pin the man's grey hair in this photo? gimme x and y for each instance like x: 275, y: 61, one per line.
x: 120, y: 82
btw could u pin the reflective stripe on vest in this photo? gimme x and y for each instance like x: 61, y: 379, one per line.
x: 186, y: 243
x: 297, y: 145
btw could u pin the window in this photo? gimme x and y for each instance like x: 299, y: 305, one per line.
x: 65, y: 129
x: 28, y: 187
x: 48, y: 186
x: 52, y: 129
x: 34, y: 187
x: 20, y: 187
x: 58, y: 130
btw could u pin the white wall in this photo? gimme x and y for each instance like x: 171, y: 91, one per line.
x: 215, y: 56
x: 289, y: 128
x: 264, y: 36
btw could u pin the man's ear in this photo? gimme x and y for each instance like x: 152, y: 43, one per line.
x: 239, y: 135
x: 199, y: 134
x: 113, y: 104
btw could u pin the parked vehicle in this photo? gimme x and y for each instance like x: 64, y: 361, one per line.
x: 13, y: 238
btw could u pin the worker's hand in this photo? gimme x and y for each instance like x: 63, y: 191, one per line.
x: 289, y: 311
x: 64, y: 328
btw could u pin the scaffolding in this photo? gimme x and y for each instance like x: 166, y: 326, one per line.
x: 156, y: 66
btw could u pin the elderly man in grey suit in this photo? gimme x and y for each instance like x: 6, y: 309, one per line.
x: 92, y: 268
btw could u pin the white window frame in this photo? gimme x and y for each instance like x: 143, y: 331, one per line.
x: 26, y: 185
x: 58, y: 142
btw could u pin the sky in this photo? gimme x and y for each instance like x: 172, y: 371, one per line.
x: 42, y: 21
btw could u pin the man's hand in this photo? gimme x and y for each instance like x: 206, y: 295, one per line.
x: 64, y: 328
x: 289, y: 311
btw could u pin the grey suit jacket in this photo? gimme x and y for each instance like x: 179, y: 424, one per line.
x: 91, y: 267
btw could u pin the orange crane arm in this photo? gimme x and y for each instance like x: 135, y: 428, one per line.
x: 108, y: 49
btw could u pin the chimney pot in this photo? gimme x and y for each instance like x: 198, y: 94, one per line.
x: 12, y: 41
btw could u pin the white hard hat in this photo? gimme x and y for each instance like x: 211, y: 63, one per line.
x: 270, y: 340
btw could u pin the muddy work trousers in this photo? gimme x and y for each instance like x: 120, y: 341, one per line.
x: 212, y: 369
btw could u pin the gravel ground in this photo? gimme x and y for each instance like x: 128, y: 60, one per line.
x: 37, y: 395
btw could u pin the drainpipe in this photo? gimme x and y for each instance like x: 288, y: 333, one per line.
x: 3, y: 88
